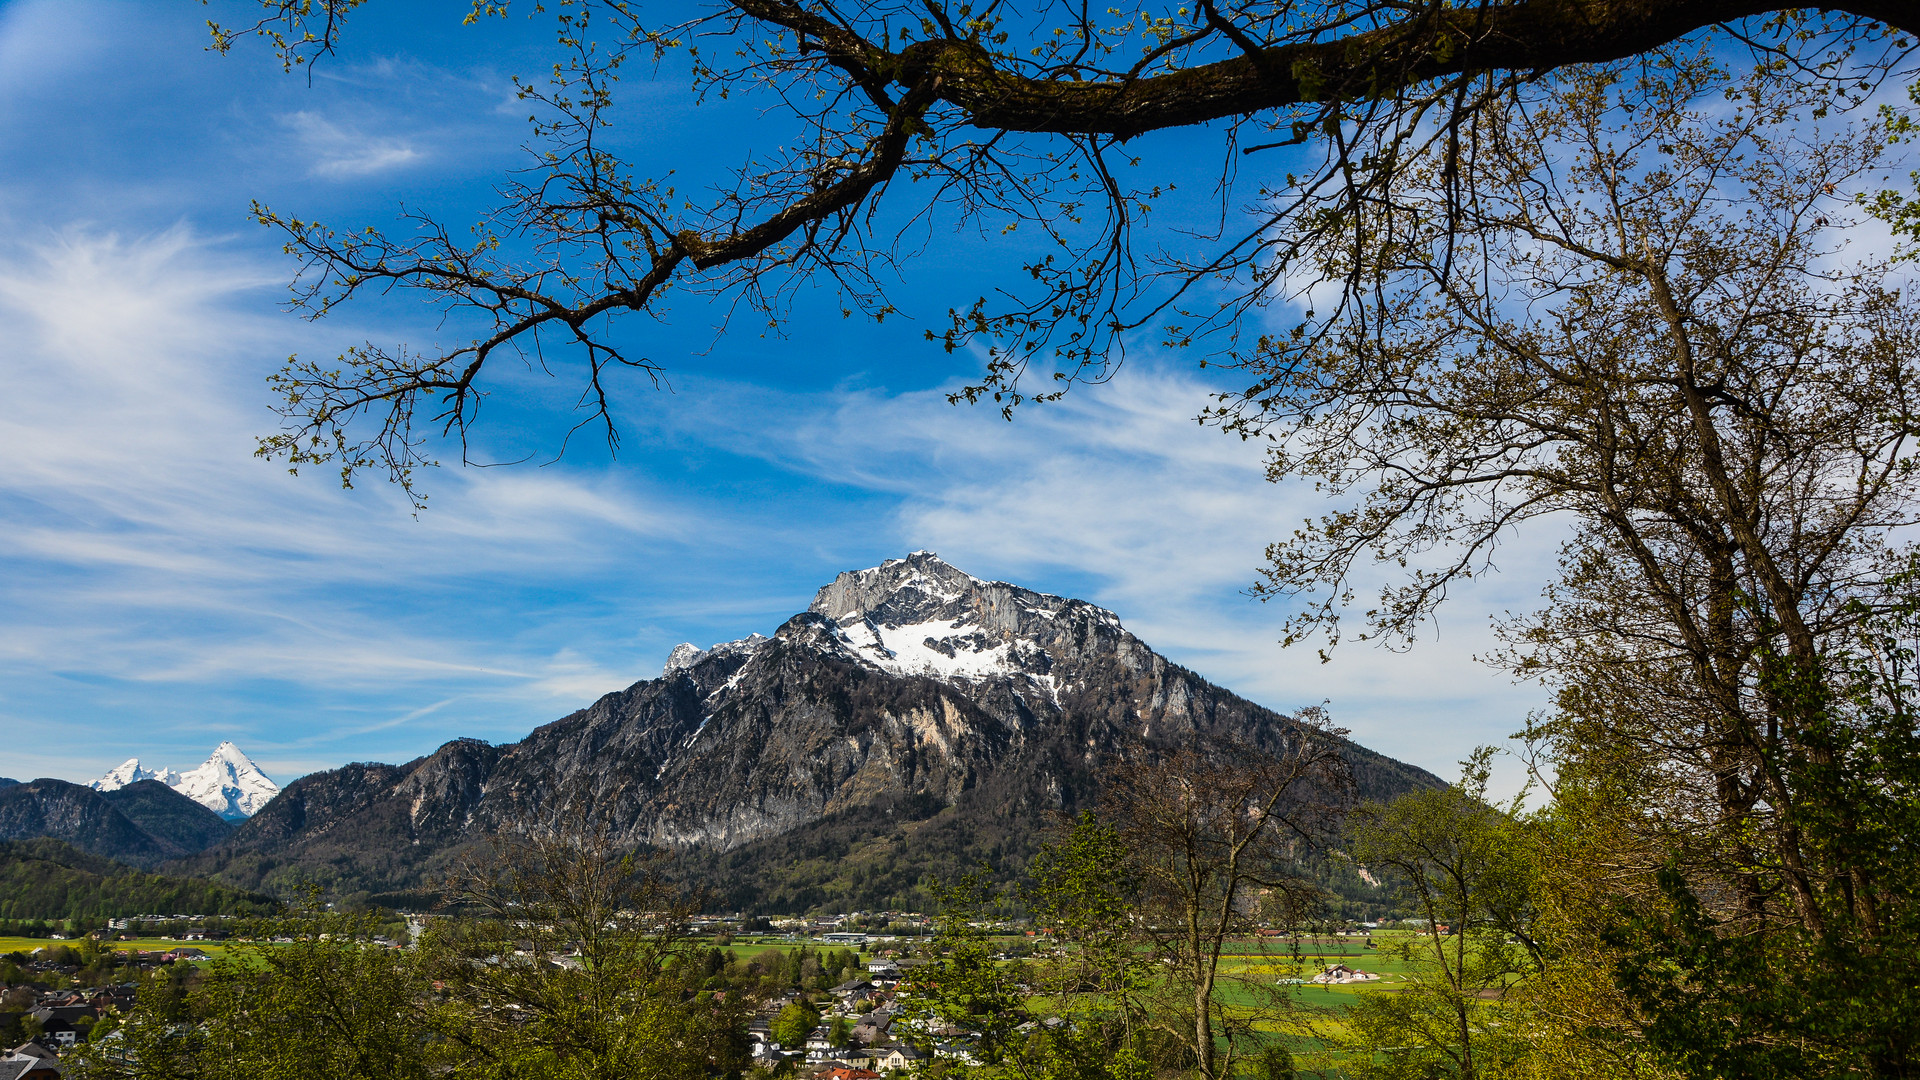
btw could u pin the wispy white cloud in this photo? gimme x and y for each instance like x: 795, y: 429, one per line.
x: 42, y: 42
x: 144, y: 546
x: 342, y: 153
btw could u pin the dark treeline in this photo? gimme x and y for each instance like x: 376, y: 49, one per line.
x: 45, y: 879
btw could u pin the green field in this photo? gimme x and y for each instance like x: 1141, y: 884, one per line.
x: 1257, y: 975
x: 27, y: 945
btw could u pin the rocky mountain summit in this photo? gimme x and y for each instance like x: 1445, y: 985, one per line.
x: 914, y: 719
x: 920, y: 616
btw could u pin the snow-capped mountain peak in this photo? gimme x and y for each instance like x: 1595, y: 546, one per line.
x: 921, y: 581
x: 131, y: 771
x: 686, y: 655
x: 227, y: 783
x: 229, y: 752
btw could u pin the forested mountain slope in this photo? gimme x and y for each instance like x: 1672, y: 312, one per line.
x: 143, y: 824
x: 49, y: 879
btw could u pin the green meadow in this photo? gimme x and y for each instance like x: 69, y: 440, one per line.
x: 27, y: 945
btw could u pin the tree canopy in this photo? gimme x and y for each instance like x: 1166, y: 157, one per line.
x: 988, y: 115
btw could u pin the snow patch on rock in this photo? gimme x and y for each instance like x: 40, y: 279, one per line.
x: 923, y: 616
x: 940, y: 648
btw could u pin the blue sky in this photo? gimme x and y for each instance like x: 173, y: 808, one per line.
x: 161, y: 590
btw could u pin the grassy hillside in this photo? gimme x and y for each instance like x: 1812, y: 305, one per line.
x: 48, y: 879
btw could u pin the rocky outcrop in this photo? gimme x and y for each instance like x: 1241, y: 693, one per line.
x: 907, y: 692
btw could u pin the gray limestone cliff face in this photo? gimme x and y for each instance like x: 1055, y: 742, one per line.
x: 910, y: 683
x: 741, y: 746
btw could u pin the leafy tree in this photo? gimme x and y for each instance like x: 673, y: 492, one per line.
x: 795, y: 1022
x: 1017, y: 1035
x: 1724, y: 996
x: 325, y: 1001
x: 321, y: 1002
x: 1644, y: 325
x: 572, y: 961
x: 1082, y: 889
x: 796, y: 969
x: 1217, y: 838
x: 840, y: 964
x: 141, y: 1048
x: 1465, y: 868
x: 564, y: 960
x: 1192, y: 846
x: 964, y: 988
x: 1274, y: 1062
x: 44, y: 878
x: 812, y: 975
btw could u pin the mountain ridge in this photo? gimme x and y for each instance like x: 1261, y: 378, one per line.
x: 983, y: 707
x: 166, y: 812
x: 141, y: 825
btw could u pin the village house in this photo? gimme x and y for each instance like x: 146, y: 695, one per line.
x: 872, y: 1027
x: 852, y: 989
x: 62, y: 1023
x: 961, y: 1050
x: 895, y: 1056
x: 1341, y: 974
x: 819, y: 1046
x: 767, y: 1053
x: 30, y: 1061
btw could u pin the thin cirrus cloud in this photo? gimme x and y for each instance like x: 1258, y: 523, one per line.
x: 339, y: 152
x: 152, y: 566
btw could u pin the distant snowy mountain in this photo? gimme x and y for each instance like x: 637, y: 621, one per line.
x: 227, y: 783
x: 132, y: 772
